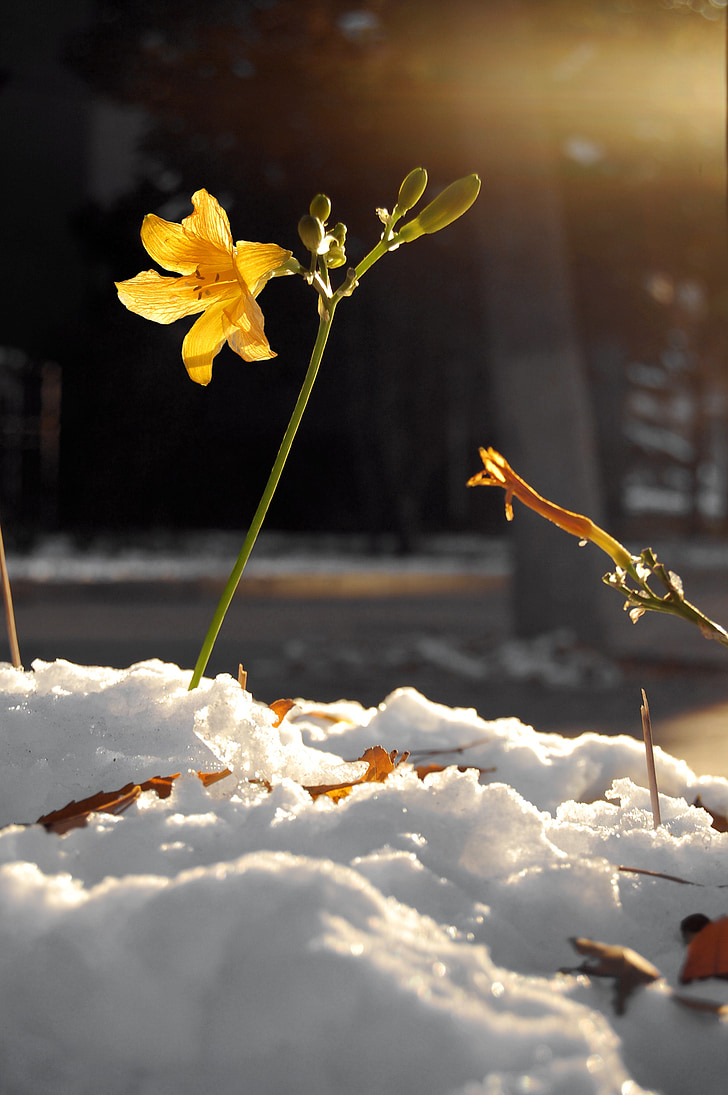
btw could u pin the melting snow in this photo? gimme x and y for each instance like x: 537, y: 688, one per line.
x: 407, y: 939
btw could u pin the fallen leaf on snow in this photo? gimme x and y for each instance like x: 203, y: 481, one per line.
x: 380, y: 765
x: 707, y: 949
x: 76, y: 814
x: 629, y: 969
x: 281, y: 708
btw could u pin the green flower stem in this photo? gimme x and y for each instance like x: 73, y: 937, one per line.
x: 678, y: 606
x: 265, y: 501
x: 709, y: 628
x: 374, y: 255
x: 644, y: 599
x: 328, y: 302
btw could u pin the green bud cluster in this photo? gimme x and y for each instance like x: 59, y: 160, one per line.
x: 454, y: 200
x: 312, y: 230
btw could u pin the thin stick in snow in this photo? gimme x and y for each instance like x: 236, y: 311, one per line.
x: 9, y: 612
x: 650, y: 755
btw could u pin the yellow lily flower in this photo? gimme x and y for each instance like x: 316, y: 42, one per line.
x: 499, y: 473
x: 218, y: 278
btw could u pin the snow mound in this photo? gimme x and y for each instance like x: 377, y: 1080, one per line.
x: 406, y: 939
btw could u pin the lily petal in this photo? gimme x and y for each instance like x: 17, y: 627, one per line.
x: 209, y: 221
x: 202, y: 238
x: 245, y: 333
x: 255, y: 262
x: 203, y: 342
x: 164, y: 300
x: 175, y: 249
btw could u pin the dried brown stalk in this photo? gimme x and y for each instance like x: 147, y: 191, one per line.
x: 650, y: 755
x: 9, y: 611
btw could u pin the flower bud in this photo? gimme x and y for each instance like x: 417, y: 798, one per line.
x: 311, y: 231
x: 320, y: 207
x: 411, y: 190
x: 335, y: 257
x: 454, y: 200
x: 339, y: 233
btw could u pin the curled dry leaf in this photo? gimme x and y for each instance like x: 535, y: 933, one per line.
x: 707, y: 951
x: 380, y: 765
x: 629, y: 969
x: 76, y: 814
x: 281, y: 708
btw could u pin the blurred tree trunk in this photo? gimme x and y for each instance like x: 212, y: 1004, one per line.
x: 545, y: 419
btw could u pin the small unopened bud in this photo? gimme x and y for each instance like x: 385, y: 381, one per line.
x: 339, y: 233
x: 320, y: 207
x: 311, y: 231
x: 454, y: 200
x: 335, y: 257
x: 411, y: 190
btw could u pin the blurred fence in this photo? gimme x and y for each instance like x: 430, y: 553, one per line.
x: 30, y: 417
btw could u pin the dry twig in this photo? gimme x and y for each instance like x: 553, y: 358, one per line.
x: 9, y: 611
x: 650, y: 755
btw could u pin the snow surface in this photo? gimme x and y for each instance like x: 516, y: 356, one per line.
x: 406, y: 940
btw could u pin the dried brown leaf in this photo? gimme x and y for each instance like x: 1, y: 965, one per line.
x: 281, y: 708
x: 380, y: 765
x: 707, y: 953
x: 76, y: 814
x: 629, y: 969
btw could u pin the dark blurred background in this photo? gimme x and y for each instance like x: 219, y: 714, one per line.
x: 575, y: 317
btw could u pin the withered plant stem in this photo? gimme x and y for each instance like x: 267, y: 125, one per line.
x: 650, y: 756
x: 9, y: 611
